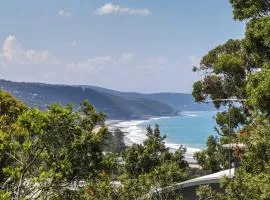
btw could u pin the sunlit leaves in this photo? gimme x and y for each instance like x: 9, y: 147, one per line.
x: 53, y: 149
x: 257, y: 39
x: 258, y: 90
x: 247, y: 9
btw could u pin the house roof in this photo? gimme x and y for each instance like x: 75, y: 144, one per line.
x: 203, y: 180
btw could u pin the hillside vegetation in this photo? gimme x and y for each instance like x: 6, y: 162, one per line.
x: 116, y: 105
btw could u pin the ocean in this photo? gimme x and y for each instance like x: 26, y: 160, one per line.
x: 190, y: 129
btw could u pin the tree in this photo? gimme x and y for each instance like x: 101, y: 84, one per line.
x: 250, y: 8
x: 225, y: 71
x: 115, y: 142
x: 146, y: 167
x: 60, y: 154
x: 141, y: 159
x: 10, y: 109
x: 53, y: 151
x: 211, y: 158
x: 240, y: 68
x: 154, y: 166
x: 251, y: 180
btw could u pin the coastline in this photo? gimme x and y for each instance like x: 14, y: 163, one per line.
x: 135, y: 134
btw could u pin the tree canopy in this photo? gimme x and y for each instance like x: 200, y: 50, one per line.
x: 67, y: 153
x: 47, y: 152
x: 239, y: 69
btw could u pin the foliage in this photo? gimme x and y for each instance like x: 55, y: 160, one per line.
x: 251, y: 180
x: 256, y: 41
x: 205, y: 192
x: 249, y: 186
x: 225, y: 71
x: 258, y: 89
x: 213, y: 157
x: 240, y: 69
x: 10, y: 109
x: 4, y: 195
x: 60, y: 154
x: 250, y: 8
x: 141, y: 159
x: 115, y: 143
x: 228, y: 122
x: 145, y: 168
x: 53, y: 150
x: 167, y: 174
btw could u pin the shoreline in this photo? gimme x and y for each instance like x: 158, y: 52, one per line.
x: 134, y: 134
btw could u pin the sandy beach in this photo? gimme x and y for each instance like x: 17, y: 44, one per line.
x: 134, y: 134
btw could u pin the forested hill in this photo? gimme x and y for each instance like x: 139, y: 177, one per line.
x: 178, y: 101
x: 116, y: 105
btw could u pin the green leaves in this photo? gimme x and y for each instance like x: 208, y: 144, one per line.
x: 226, y: 69
x: 230, y: 120
x: 142, y: 159
x: 198, y: 91
x: 52, y: 149
x: 257, y: 40
x: 4, y: 195
x: 258, y: 91
x: 205, y: 192
x: 247, y: 9
x: 212, y: 157
x: 10, y: 109
x: 240, y: 68
x: 153, y: 163
x: 229, y: 65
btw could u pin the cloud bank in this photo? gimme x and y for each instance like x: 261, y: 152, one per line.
x: 13, y: 52
x: 19, y: 63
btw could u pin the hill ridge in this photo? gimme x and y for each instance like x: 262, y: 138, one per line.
x: 115, y: 104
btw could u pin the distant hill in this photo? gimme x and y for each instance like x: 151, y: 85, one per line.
x: 116, y: 105
x: 178, y: 101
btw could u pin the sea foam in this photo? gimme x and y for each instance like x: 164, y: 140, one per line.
x: 135, y: 134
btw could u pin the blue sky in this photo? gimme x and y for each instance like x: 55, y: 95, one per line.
x: 128, y: 45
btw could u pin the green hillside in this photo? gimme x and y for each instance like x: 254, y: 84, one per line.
x: 178, y: 101
x: 116, y: 107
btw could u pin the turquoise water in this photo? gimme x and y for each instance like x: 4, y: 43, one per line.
x: 190, y: 129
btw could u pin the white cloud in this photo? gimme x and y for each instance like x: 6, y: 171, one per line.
x: 99, y: 63
x: 107, y: 64
x: 22, y: 64
x: 15, y: 56
x: 110, y: 8
x: 126, y: 58
x: 126, y: 71
x: 13, y: 52
x: 64, y: 13
x: 90, y: 65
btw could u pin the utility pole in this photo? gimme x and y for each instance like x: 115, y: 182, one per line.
x: 231, y: 101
